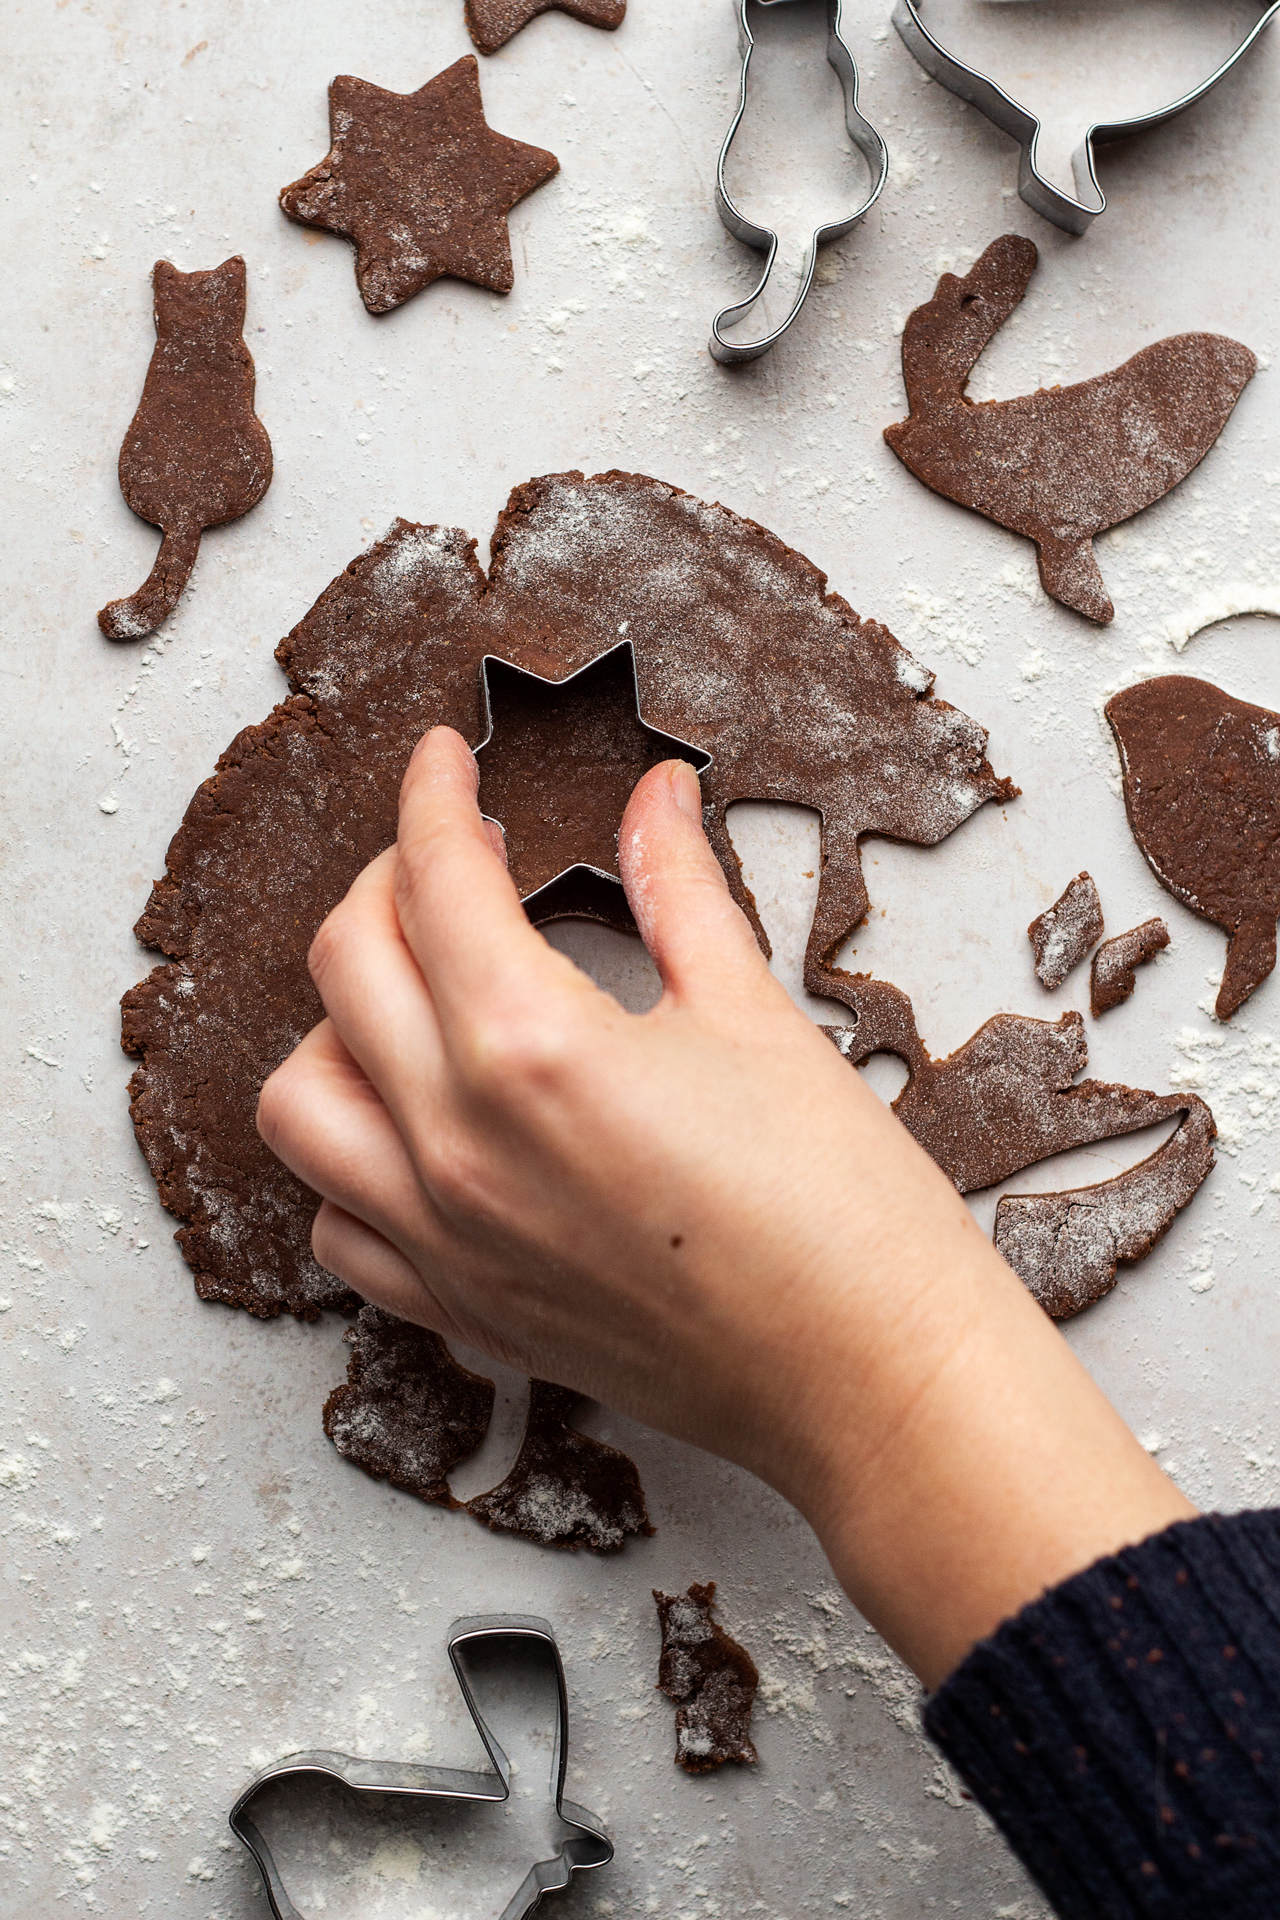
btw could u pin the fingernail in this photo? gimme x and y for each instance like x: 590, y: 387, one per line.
x: 686, y: 791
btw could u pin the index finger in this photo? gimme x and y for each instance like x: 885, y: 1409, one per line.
x: 458, y: 906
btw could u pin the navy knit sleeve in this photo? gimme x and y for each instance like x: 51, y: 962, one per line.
x: 1124, y: 1730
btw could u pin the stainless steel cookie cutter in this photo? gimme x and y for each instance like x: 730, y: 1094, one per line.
x: 868, y: 142
x: 585, y: 1845
x: 576, y: 892
x: 1073, y: 215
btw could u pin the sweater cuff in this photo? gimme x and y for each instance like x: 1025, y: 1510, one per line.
x: 1123, y: 1731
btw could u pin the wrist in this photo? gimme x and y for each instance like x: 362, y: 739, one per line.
x: 955, y: 1461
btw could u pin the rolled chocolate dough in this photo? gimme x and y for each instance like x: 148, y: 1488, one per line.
x: 739, y: 648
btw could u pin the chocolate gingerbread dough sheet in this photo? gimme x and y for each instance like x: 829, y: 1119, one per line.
x: 195, y: 1581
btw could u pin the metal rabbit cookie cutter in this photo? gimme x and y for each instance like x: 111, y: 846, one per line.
x: 1073, y: 215
x: 585, y: 1845
x: 868, y: 142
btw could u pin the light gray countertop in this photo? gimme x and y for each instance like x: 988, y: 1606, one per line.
x: 193, y: 1581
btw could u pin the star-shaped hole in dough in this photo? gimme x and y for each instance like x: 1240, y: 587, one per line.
x: 420, y: 183
x: 491, y: 23
x: 557, y: 765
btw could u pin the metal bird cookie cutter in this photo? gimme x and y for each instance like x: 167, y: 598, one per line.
x: 585, y: 1845
x: 868, y: 142
x: 571, y: 861
x: 1073, y: 215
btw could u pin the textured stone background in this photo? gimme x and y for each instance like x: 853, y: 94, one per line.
x: 193, y: 1581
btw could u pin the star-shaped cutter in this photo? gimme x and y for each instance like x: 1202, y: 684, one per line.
x: 582, y: 891
x: 1073, y: 215
x: 420, y: 183
x: 586, y: 1844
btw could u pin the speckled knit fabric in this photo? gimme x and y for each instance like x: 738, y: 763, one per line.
x: 1124, y: 1731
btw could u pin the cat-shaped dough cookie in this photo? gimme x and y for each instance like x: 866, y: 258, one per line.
x: 195, y: 454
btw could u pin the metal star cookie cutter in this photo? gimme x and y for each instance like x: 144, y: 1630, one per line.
x: 868, y: 142
x: 1072, y: 215
x: 586, y: 1845
x: 574, y: 893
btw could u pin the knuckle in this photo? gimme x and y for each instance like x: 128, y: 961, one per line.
x: 457, y: 1179
x: 275, y: 1101
x: 414, y: 856
x: 517, y: 1056
x: 324, y: 1239
x: 328, y: 944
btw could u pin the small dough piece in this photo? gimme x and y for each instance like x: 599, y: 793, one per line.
x: 1064, y: 932
x: 491, y: 23
x: 565, y: 1489
x: 1063, y: 464
x: 196, y: 453
x: 1115, y: 964
x: 1202, y: 791
x: 408, y: 1413
x: 712, y: 1678
x: 420, y: 183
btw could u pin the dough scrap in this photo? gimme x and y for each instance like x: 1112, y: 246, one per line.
x: 491, y: 23
x: 1113, y: 975
x: 420, y: 184
x: 1201, y: 777
x: 565, y: 1489
x: 712, y: 1678
x: 739, y: 647
x: 1062, y: 935
x: 196, y: 453
x: 1065, y: 463
x: 1005, y: 1100
x: 1065, y: 1246
x: 408, y: 1412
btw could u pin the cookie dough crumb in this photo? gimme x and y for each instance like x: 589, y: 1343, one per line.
x: 1063, y: 934
x: 1115, y: 964
x: 712, y: 1678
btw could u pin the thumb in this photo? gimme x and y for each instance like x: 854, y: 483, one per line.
x: 699, y: 939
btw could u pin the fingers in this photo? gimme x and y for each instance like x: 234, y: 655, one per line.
x: 699, y: 939
x: 460, y: 912
x: 496, y: 837
x: 376, y: 1270
x: 320, y: 1114
x: 372, y: 988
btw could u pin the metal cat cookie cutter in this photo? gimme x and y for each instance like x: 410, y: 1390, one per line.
x: 585, y: 1845
x: 1073, y: 215
x: 868, y: 142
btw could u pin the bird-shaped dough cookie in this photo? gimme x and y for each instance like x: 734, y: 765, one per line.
x: 1202, y: 791
x: 1065, y: 463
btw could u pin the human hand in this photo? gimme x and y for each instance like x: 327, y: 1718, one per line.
x: 700, y: 1215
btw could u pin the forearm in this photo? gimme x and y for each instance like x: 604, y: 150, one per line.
x: 994, y: 1469
x: 914, y: 1401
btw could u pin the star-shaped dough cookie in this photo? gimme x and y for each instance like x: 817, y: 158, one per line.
x: 491, y: 23
x: 420, y: 183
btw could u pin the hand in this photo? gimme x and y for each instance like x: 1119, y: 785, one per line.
x: 700, y: 1215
